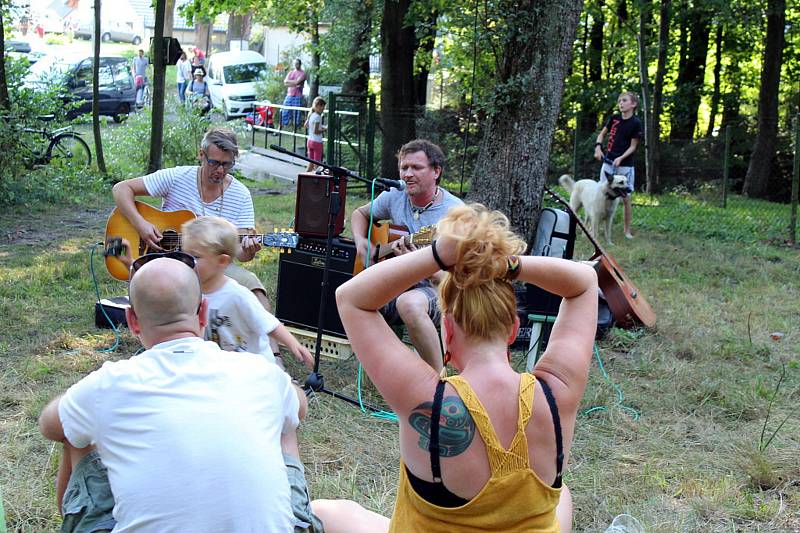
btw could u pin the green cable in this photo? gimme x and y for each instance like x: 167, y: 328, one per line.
x: 620, y: 395
x: 97, y: 292
x: 386, y: 415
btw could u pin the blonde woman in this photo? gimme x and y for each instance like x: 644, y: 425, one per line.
x: 485, y: 450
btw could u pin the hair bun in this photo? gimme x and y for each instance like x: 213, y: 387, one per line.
x: 485, y: 241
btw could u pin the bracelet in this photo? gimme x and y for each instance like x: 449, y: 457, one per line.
x: 598, y: 144
x: 514, y: 267
x: 437, y: 258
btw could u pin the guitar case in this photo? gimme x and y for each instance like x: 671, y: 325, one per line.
x: 555, y: 237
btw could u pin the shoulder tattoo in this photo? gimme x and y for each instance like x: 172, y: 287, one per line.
x: 456, y: 427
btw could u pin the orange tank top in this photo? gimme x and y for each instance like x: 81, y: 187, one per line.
x: 514, y: 498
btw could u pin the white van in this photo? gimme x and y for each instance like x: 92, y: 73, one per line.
x: 231, y: 78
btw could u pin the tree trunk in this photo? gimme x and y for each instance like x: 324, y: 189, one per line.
x: 159, y: 73
x: 239, y: 27
x: 653, y: 177
x: 756, y: 183
x: 169, y: 18
x: 712, y: 115
x: 691, y: 77
x: 313, y: 85
x: 5, y: 102
x: 645, y: 12
x: 512, y: 165
x: 98, y: 140
x: 731, y: 100
x: 425, y: 44
x: 589, y: 109
x: 357, y: 80
x: 398, y: 98
x: 203, y: 30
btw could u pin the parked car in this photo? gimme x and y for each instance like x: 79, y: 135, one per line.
x: 111, y: 30
x: 74, y: 73
x: 231, y: 80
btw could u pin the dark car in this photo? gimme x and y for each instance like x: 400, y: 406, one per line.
x: 117, y: 92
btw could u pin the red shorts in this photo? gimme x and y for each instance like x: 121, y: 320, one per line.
x: 314, y: 149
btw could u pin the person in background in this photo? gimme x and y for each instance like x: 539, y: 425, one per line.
x: 294, y: 83
x: 315, y: 130
x: 183, y: 76
x: 198, y: 93
x: 624, y: 133
x: 140, y: 64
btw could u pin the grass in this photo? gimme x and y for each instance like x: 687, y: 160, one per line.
x: 701, y: 380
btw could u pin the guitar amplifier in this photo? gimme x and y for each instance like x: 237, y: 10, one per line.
x: 311, y: 205
x: 300, y: 280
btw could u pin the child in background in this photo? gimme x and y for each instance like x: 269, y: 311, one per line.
x: 236, y: 319
x: 315, y: 129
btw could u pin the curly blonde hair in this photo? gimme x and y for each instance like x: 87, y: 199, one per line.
x: 475, y: 291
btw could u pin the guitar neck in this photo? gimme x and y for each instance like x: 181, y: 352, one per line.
x: 417, y: 239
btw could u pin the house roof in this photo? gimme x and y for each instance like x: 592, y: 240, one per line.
x: 144, y: 9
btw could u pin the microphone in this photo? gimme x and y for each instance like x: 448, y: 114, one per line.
x: 400, y: 185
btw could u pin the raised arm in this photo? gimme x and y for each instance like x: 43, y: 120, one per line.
x: 569, y: 349
x: 400, y: 375
x: 125, y: 193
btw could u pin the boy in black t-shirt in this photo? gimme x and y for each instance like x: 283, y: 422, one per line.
x: 624, y: 131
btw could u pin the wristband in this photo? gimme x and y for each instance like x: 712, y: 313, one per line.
x: 598, y: 144
x: 514, y: 268
x: 437, y: 258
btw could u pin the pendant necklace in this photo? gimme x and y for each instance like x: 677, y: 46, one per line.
x: 203, y: 202
x: 417, y: 211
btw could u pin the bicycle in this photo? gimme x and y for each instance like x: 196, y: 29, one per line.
x: 64, y: 147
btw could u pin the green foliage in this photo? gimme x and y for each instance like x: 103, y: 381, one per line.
x: 272, y: 87
x: 127, y: 146
x: 20, y: 181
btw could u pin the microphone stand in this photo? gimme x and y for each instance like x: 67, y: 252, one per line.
x: 315, y: 382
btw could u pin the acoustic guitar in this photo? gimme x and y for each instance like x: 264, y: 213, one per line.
x: 627, y: 304
x: 381, y: 237
x: 169, y: 224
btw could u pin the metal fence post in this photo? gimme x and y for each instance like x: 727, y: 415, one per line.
x: 575, y: 146
x: 726, y: 166
x: 795, y: 180
x: 370, y: 136
x: 332, y: 131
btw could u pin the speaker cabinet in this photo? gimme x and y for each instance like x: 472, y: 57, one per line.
x: 311, y: 209
x: 300, y: 283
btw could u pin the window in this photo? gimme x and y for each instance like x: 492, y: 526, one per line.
x: 123, y: 79
x: 247, y: 72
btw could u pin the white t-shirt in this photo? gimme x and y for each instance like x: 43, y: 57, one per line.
x: 238, y: 322
x: 313, y: 119
x: 184, y: 70
x: 178, y: 187
x: 190, y: 435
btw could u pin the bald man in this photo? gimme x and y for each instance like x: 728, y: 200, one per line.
x: 182, y: 437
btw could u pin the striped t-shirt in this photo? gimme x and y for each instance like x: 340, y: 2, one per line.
x: 178, y: 187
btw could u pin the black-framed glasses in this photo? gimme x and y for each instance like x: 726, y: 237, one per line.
x: 227, y: 165
x: 187, y: 259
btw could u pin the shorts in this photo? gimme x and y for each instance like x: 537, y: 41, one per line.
x: 628, y: 172
x: 392, y: 317
x: 244, y: 277
x: 314, y: 149
x: 88, y: 502
x: 305, y: 520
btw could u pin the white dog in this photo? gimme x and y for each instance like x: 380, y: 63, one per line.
x: 599, y: 200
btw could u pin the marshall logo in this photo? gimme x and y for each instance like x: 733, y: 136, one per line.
x: 318, y: 262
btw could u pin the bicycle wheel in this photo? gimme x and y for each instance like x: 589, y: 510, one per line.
x: 68, y: 150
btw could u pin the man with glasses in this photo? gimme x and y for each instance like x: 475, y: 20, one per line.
x: 207, y: 189
x: 182, y: 437
x: 423, y: 203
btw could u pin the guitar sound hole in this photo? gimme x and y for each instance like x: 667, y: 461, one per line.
x: 170, y: 241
